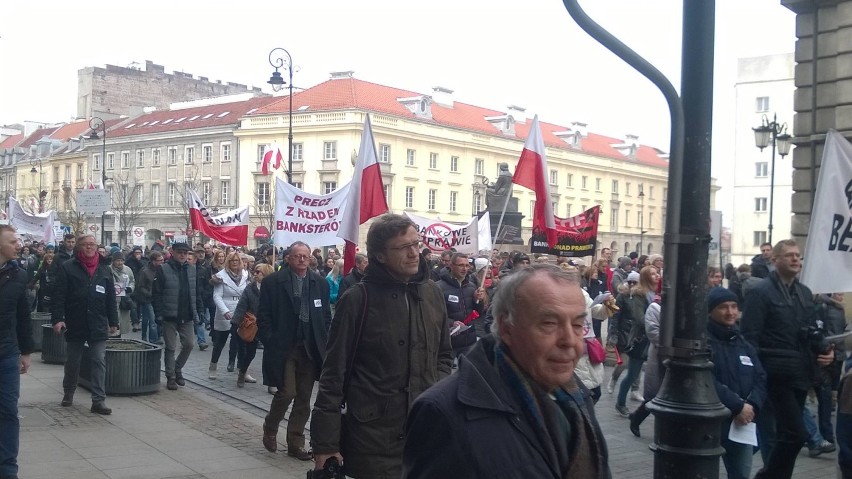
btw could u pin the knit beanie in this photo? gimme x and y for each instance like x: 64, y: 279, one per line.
x: 719, y: 295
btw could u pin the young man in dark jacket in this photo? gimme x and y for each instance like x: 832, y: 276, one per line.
x: 84, y: 306
x: 205, y: 288
x: 462, y: 298
x: 740, y: 378
x: 143, y: 295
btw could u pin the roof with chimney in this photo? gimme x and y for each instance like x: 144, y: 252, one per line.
x: 343, y: 92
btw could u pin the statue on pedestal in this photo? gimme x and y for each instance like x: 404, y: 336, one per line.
x: 496, y: 194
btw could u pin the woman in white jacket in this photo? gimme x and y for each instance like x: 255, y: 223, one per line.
x: 226, y: 294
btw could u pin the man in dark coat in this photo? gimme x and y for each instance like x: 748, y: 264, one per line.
x: 389, y: 342
x: 205, y: 288
x: 463, y: 298
x: 16, y: 344
x: 761, y: 264
x: 515, y: 408
x: 84, y: 305
x: 355, y: 276
x: 777, y: 316
x: 293, y: 318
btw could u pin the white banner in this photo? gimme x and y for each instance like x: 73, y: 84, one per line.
x: 301, y: 216
x: 38, y: 226
x: 137, y: 235
x: 829, y: 247
x: 440, y: 235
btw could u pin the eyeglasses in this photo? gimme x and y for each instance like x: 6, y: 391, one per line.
x: 299, y: 257
x: 89, y: 245
x: 408, y: 246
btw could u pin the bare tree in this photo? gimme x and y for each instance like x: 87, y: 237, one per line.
x: 262, y: 207
x: 68, y: 213
x: 128, y: 203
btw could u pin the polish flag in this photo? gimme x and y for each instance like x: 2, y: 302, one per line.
x: 230, y: 228
x: 273, y: 153
x: 530, y: 173
x: 366, y: 195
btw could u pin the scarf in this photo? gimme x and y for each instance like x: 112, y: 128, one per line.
x: 91, y: 264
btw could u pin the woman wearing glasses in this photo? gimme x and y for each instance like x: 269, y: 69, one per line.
x: 226, y: 295
x: 248, y: 304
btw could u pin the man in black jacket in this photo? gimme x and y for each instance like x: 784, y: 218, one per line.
x: 16, y: 344
x: 84, y: 306
x: 203, y: 274
x: 465, y: 302
x: 761, y: 264
x: 778, y: 316
x: 355, y: 276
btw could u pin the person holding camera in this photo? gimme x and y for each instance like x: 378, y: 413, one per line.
x: 779, y: 319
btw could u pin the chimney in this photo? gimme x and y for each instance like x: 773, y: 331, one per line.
x: 342, y: 75
x: 518, y: 113
x: 442, y: 96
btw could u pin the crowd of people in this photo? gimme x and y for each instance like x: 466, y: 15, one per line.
x: 436, y: 364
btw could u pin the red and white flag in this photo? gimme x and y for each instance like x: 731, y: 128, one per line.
x: 366, y: 195
x: 272, y: 153
x: 230, y: 228
x: 531, y: 173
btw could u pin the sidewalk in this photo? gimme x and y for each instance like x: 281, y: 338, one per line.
x: 171, y: 434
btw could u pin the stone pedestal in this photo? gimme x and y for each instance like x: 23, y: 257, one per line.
x: 511, y: 226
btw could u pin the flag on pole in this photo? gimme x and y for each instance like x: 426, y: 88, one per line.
x: 230, y: 228
x: 830, y: 232
x: 530, y: 173
x: 273, y: 153
x: 366, y: 195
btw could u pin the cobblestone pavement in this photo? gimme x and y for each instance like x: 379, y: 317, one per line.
x: 212, y: 429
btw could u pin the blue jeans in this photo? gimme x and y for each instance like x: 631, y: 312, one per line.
x: 199, y: 328
x: 814, y: 436
x: 737, y: 457
x: 823, y: 395
x: 634, y: 369
x: 150, y: 330
x: 10, y: 426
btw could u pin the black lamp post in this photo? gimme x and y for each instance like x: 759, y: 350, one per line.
x: 771, y: 132
x: 641, y: 220
x: 41, y: 193
x: 280, y: 58
x: 96, y: 124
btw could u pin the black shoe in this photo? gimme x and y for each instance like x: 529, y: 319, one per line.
x: 230, y: 367
x: 179, y: 379
x: 171, y: 384
x: 67, y: 399
x: 100, y: 408
x: 634, y: 425
x: 202, y: 346
x: 300, y: 453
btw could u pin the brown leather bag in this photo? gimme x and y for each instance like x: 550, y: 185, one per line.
x: 248, y: 328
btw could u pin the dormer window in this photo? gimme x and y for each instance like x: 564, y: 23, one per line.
x: 504, y: 123
x: 420, y: 105
x: 629, y: 147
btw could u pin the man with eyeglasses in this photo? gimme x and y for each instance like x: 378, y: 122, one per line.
x: 389, y: 341
x: 177, y: 305
x: 465, y: 302
x: 293, y: 318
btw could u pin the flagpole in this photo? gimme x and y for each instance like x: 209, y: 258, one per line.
x: 500, y: 223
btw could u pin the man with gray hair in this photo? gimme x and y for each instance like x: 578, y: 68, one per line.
x: 515, y: 408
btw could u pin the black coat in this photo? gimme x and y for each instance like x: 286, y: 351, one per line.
x: 775, y: 320
x: 737, y: 381
x: 348, y: 281
x: 86, y: 305
x: 15, y: 326
x: 277, y: 318
x: 459, y: 297
x: 470, y: 425
x: 760, y: 266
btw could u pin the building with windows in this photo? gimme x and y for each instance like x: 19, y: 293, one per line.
x: 436, y: 152
x: 764, y: 89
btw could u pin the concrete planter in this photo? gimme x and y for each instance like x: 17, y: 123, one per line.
x: 53, y: 350
x: 132, y: 367
x: 37, y: 319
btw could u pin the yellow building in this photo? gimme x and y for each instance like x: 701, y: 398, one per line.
x: 436, y: 152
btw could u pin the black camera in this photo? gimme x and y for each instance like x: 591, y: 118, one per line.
x: 816, y: 340
x: 330, y: 470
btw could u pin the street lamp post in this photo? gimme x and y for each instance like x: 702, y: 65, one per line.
x: 95, y: 124
x: 280, y: 58
x: 41, y: 193
x: 641, y: 220
x: 771, y: 132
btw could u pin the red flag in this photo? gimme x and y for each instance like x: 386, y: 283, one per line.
x: 272, y: 153
x: 230, y: 228
x: 531, y: 173
x: 366, y: 195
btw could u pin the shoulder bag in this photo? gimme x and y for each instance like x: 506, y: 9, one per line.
x: 248, y: 327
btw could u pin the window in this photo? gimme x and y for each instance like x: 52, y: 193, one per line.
x: 172, y: 156
x: 584, y: 185
x: 639, y: 219
x: 627, y: 218
x: 140, y: 158
x: 597, y: 184
x: 555, y: 207
x: 96, y: 159
x: 155, y: 157
x: 297, y: 151
x: 261, y: 150
x: 759, y: 238
x: 651, y: 192
x: 80, y: 174
x: 205, y: 192
x: 110, y: 161
x: 387, y: 192
x: 431, y: 200
x: 262, y: 195
x: 477, y: 203
x: 761, y: 169
x: 155, y: 194
x: 384, y: 153
x: 454, y: 196
x: 409, y: 157
x: 627, y: 188
x: 409, y: 197
x: 554, y: 177
x: 172, y: 194
x: 125, y: 159
x: 570, y: 180
x: 207, y: 154
x: 568, y: 210
x: 329, y: 150
x: 479, y: 166
x: 225, y: 193
x: 650, y: 220
x: 761, y: 104
x: 615, y: 186
x: 328, y: 187
x: 190, y: 155
x: 140, y: 195
x: 613, y: 218
x: 225, y: 152
x: 760, y: 205
x: 532, y: 208
x: 433, y: 161
x: 56, y: 173
x: 454, y: 164
x: 297, y: 184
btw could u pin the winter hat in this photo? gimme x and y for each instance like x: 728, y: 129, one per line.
x: 117, y: 255
x: 719, y: 295
x: 114, y: 249
x: 633, y: 276
x: 624, y: 262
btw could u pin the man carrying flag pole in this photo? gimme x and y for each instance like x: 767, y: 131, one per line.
x: 530, y: 173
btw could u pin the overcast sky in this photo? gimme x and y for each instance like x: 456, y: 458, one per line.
x: 491, y: 52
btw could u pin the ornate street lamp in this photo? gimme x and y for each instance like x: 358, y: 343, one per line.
x: 280, y: 58
x: 41, y: 193
x: 776, y: 135
x: 95, y: 124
